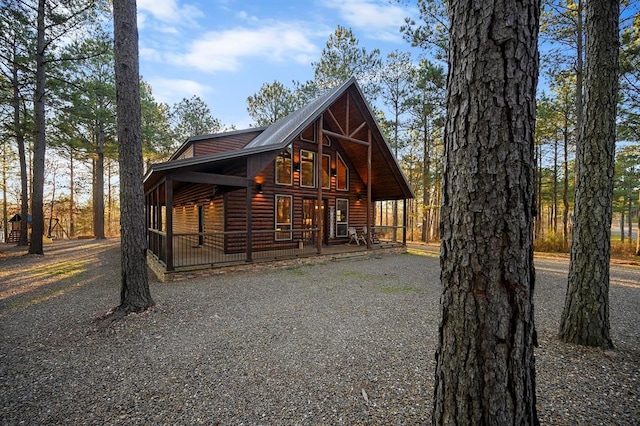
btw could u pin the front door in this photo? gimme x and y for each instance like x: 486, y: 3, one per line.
x: 310, y: 218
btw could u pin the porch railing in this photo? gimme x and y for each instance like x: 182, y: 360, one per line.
x: 389, y: 233
x: 212, y: 248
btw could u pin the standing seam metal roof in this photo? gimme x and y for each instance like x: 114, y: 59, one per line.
x: 286, y: 129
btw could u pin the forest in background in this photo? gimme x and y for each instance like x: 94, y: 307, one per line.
x: 80, y: 176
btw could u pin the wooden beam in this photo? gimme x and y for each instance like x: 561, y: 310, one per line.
x: 249, y: 228
x: 364, y: 123
x: 369, y: 227
x: 168, y: 191
x: 319, y: 211
x: 335, y: 121
x: 208, y: 178
x: 346, y: 138
x: 346, y: 120
x: 405, y: 221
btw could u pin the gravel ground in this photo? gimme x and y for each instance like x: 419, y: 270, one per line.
x: 349, y: 342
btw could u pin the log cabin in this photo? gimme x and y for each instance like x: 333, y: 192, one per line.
x: 294, y: 188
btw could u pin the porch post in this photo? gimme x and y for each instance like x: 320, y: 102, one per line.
x: 249, y: 248
x: 319, y: 213
x: 157, y: 217
x: 168, y: 198
x: 404, y: 221
x: 369, y: 228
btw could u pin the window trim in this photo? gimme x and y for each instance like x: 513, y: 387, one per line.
x: 327, y: 171
x: 313, y: 173
x: 277, y: 224
x: 338, y: 161
x: 290, y: 148
x: 303, y: 139
x: 339, y: 222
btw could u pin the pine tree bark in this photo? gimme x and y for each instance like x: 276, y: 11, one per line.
x: 39, y: 144
x: 98, y: 188
x: 19, y: 132
x: 134, y: 295
x: 585, y: 318
x: 485, y: 371
x: 72, y: 206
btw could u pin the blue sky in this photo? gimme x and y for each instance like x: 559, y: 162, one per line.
x: 224, y: 50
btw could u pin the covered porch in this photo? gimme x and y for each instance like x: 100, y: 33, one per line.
x: 191, y: 259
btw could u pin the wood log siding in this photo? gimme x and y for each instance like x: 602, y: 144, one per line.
x: 188, y: 153
x: 263, y: 205
x: 192, y: 193
x: 224, y: 144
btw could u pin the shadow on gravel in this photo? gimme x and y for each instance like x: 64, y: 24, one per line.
x: 66, y: 266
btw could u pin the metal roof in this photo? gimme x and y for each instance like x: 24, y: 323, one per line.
x: 281, y: 133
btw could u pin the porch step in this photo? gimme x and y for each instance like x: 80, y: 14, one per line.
x: 350, y: 256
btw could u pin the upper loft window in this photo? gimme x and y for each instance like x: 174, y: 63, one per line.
x: 326, y: 170
x: 309, y: 135
x: 284, y: 164
x: 307, y: 168
x: 342, y: 174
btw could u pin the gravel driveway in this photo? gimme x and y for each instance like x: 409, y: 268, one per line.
x: 348, y: 342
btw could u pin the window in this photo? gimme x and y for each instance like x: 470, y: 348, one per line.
x: 283, y: 167
x: 342, y: 217
x: 307, y: 168
x: 283, y: 217
x: 342, y: 174
x: 326, y: 170
x: 309, y: 134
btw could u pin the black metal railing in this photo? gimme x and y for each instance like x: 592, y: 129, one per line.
x: 389, y: 233
x: 216, y: 248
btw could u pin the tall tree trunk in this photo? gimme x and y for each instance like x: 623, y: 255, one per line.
x: 555, y: 187
x: 638, y: 228
x: 19, y: 133
x: 5, y: 219
x: 630, y: 211
x: 134, y: 294
x: 579, y: 68
x: 98, y: 189
x: 72, y: 215
x: 51, y: 206
x: 39, y: 146
x: 109, y: 200
x: 565, y: 188
x: 485, y: 372
x: 585, y: 318
x: 538, y: 231
x: 426, y: 202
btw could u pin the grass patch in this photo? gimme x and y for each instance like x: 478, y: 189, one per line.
x: 422, y: 252
x: 398, y: 290
x: 296, y: 270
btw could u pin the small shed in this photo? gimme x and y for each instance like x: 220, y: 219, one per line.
x: 15, y: 223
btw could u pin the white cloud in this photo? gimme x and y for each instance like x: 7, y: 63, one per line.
x: 149, y: 54
x: 379, y: 20
x: 171, y: 91
x: 225, y: 50
x: 169, y: 11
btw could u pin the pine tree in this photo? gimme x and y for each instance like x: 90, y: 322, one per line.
x: 485, y: 372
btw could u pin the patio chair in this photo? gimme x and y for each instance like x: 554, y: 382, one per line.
x: 373, y: 237
x: 354, y: 237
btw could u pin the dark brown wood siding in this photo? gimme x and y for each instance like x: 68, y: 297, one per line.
x: 224, y: 143
x: 188, y: 153
x: 263, y: 205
